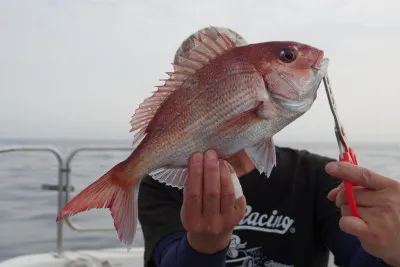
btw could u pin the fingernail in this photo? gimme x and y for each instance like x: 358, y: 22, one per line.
x: 331, y: 167
x: 197, y: 157
x: 226, y: 164
x: 229, y: 166
x: 210, y: 154
x: 330, y: 194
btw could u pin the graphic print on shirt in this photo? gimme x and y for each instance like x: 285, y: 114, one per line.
x: 270, y: 223
x: 240, y: 254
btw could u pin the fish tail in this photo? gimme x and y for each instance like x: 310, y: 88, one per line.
x: 116, y: 190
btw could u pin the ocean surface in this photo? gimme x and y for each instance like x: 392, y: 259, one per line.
x: 28, y: 213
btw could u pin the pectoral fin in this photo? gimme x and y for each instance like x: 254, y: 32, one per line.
x: 263, y: 155
x: 238, y: 124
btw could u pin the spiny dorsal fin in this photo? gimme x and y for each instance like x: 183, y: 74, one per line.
x: 200, y: 49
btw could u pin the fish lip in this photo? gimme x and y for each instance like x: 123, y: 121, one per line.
x: 323, y: 65
x: 317, y: 64
x: 319, y: 73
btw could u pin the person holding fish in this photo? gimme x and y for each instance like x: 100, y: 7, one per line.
x: 206, y: 168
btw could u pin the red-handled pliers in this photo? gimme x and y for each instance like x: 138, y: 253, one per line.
x: 346, y: 152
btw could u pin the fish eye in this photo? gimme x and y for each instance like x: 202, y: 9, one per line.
x: 287, y: 55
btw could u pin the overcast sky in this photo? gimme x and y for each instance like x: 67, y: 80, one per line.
x: 79, y: 69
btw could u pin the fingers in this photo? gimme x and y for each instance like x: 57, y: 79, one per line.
x: 210, y: 205
x: 345, y: 211
x: 357, y: 174
x: 359, y: 227
x: 364, y: 197
x: 212, y: 184
x: 240, y: 207
x: 236, y: 183
x: 354, y: 226
x: 227, y: 190
x: 333, y: 193
x: 193, y: 200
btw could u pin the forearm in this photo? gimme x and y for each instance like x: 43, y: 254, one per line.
x: 174, y: 250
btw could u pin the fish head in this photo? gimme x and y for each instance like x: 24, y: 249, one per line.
x: 292, y: 73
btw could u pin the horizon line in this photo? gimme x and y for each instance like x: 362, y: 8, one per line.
x: 278, y: 140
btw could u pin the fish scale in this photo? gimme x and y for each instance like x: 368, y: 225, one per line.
x: 220, y: 96
x: 212, y: 117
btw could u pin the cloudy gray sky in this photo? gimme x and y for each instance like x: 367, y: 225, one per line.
x: 78, y: 69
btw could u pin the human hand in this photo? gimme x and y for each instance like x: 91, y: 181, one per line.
x: 210, y: 209
x: 378, y: 203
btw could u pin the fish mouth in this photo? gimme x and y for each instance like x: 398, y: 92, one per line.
x: 320, y: 69
x: 318, y: 63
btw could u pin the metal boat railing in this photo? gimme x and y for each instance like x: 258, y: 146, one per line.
x: 64, y: 182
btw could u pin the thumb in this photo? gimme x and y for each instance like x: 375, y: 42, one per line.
x: 240, y: 204
x: 355, y: 226
x: 235, y: 180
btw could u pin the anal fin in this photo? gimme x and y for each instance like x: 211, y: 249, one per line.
x: 238, y: 124
x: 263, y: 155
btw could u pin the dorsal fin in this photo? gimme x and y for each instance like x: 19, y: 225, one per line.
x: 197, y: 54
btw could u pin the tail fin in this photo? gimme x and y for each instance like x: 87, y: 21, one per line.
x: 116, y: 191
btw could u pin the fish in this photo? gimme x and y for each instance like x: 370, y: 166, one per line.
x: 220, y: 95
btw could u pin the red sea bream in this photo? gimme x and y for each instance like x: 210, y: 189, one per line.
x: 221, y: 96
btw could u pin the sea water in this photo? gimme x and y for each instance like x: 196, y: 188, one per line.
x: 28, y: 213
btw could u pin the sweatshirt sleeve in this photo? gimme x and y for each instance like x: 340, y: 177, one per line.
x: 349, y: 252
x: 174, y: 250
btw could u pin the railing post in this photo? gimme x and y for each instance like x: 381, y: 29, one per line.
x: 68, y: 161
x: 61, y: 164
x: 61, y: 204
x: 64, y: 186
